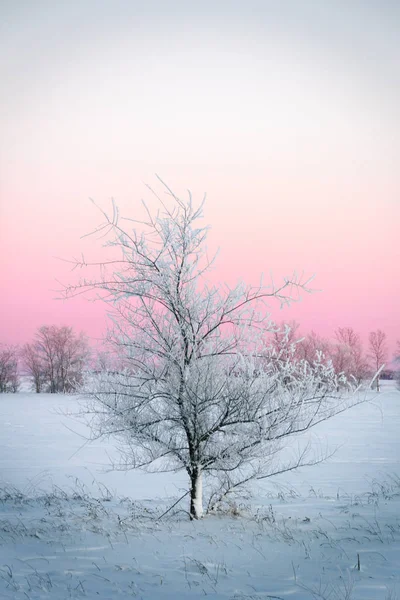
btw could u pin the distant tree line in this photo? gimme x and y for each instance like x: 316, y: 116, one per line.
x: 9, y: 376
x: 55, y: 361
x: 345, y: 351
x: 57, y: 358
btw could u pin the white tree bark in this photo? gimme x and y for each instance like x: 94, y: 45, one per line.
x: 196, y: 494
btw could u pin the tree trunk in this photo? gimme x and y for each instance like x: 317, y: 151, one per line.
x: 196, y: 494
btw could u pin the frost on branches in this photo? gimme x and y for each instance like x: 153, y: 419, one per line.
x: 198, y: 386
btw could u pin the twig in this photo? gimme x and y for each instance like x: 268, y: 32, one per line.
x: 171, y: 507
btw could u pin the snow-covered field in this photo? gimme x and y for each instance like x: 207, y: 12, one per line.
x: 70, y: 530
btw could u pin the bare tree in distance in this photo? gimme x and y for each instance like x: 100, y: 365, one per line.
x: 311, y: 345
x: 72, y: 354
x: 196, y: 389
x: 353, y: 362
x: 9, y: 377
x: 397, y: 352
x: 56, y: 359
x: 397, y: 359
x: 345, y: 353
x: 377, y: 353
x: 34, y: 366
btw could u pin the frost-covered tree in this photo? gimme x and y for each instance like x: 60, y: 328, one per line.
x: 196, y: 388
x: 9, y: 377
x: 377, y: 353
x: 56, y: 359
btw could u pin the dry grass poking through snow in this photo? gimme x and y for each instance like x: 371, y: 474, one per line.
x: 62, y: 545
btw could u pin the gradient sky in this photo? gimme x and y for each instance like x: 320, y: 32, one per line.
x: 285, y: 113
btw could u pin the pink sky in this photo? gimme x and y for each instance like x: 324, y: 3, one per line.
x: 287, y: 119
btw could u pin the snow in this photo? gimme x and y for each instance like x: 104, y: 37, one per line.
x: 72, y: 532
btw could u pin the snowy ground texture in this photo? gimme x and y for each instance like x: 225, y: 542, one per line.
x: 328, y: 532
